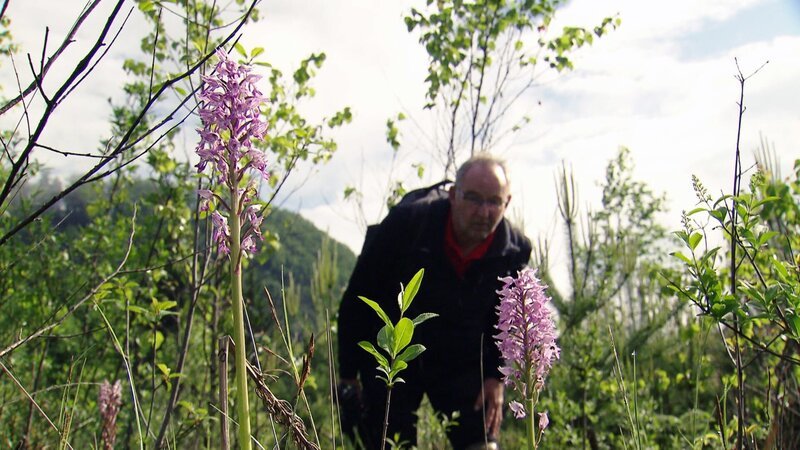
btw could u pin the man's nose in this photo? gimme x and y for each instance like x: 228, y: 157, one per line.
x: 485, y: 209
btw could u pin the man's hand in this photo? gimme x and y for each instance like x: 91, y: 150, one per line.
x: 349, y: 389
x: 492, y: 398
x: 350, y: 404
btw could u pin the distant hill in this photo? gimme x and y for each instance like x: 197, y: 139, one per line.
x: 300, y: 244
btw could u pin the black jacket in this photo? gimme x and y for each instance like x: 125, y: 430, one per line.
x: 412, y: 237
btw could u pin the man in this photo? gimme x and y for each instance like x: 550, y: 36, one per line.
x: 464, y: 244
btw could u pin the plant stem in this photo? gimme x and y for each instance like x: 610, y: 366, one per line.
x: 531, y: 427
x: 224, y: 349
x: 386, y: 416
x: 242, y: 402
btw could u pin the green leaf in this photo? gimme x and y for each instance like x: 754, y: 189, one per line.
x: 682, y: 257
x: 411, y: 352
x: 377, y: 308
x: 766, y: 236
x: 695, y: 239
x: 719, y: 214
x: 137, y: 309
x: 240, y: 49
x: 156, y: 340
x: 382, y: 361
x: 397, y: 366
x: 423, y: 317
x: 163, y: 368
x: 403, y: 332
x: 780, y: 269
x: 163, y: 305
x: 794, y: 324
x: 411, y: 290
x: 146, y: 6
x: 682, y: 236
x: 386, y: 338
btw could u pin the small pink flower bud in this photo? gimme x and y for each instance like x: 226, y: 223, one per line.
x: 544, y: 421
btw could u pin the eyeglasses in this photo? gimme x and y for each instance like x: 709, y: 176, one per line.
x: 474, y: 199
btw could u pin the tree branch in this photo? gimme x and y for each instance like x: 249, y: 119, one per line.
x: 124, y: 143
x: 46, y: 67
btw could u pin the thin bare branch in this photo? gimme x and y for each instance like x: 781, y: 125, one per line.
x: 102, y: 55
x: 68, y: 39
x: 67, y: 153
x: 18, y: 168
x: 5, y: 7
x: 124, y: 142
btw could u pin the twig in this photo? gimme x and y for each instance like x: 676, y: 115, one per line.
x: 38, y: 79
x: 5, y: 6
x: 66, y: 153
x: 197, y: 283
x: 68, y: 39
x: 224, y: 347
x: 102, y: 55
x: 335, y: 406
x: 17, y: 168
x: 36, y: 379
x: 737, y: 183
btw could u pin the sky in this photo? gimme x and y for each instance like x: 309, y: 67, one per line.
x: 662, y: 84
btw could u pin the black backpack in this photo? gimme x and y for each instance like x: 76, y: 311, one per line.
x: 417, y: 196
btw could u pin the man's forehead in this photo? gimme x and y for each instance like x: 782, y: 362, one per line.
x: 485, y: 175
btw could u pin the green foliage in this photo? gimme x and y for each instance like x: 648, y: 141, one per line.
x: 750, y: 289
x: 144, y: 307
x: 290, y: 137
x: 614, y: 269
x: 52, y: 275
x: 393, y: 133
x: 395, y: 338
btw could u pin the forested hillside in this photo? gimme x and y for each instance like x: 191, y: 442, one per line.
x: 285, y: 266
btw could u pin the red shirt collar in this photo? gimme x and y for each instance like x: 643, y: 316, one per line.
x: 461, y: 262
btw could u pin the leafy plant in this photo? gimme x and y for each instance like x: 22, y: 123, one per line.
x: 751, y: 291
x: 395, y: 340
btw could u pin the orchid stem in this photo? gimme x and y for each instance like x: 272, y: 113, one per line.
x: 531, y: 428
x: 243, y: 404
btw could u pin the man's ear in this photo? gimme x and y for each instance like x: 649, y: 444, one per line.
x: 451, y: 193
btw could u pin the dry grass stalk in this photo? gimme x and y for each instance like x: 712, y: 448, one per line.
x: 281, y: 410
